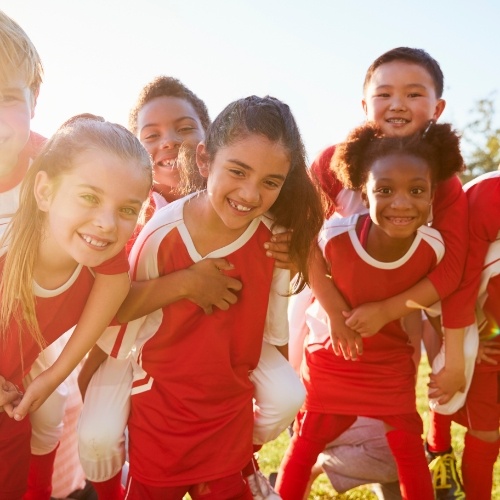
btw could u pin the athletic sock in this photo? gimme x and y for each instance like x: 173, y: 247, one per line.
x: 477, y: 467
x: 111, y: 489
x: 40, y: 476
x: 439, y: 435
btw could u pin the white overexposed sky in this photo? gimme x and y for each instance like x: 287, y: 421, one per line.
x: 312, y: 54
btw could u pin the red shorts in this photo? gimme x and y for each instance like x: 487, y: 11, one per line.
x: 15, y: 454
x: 232, y: 487
x: 481, y: 411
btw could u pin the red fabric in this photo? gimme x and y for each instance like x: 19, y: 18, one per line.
x: 192, y: 402
x: 231, y: 487
x: 111, y: 489
x: 449, y: 218
x: 477, y: 467
x: 15, y: 450
x: 483, y: 196
x: 40, y: 476
x: 439, y: 435
x: 384, y: 377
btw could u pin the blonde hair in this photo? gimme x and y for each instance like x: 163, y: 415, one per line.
x: 26, y: 229
x: 18, y: 55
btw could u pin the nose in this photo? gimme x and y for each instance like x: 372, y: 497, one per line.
x: 401, y: 201
x: 105, y: 220
x: 170, y: 140
x: 397, y: 103
x: 250, y: 193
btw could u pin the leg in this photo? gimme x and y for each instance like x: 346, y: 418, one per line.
x: 279, y: 395
x: 414, y: 477
x: 311, y: 433
x: 101, y: 430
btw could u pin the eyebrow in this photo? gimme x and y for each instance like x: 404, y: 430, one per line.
x: 101, y: 191
x: 388, y: 86
x: 175, y: 121
x: 248, y: 167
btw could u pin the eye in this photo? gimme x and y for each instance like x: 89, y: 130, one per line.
x: 236, y: 172
x: 90, y: 198
x: 384, y: 190
x: 150, y: 137
x: 417, y: 190
x: 130, y: 211
x: 273, y: 184
x: 186, y: 129
x: 414, y: 94
x: 383, y: 94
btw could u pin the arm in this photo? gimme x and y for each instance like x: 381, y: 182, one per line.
x: 10, y: 396
x: 100, y: 308
x: 95, y: 358
x: 279, y: 249
x: 451, y: 378
x: 344, y: 340
x: 203, y: 283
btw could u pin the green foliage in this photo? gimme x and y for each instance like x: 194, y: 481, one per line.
x: 481, y: 139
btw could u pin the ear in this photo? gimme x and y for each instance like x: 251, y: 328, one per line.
x: 441, y: 104
x: 34, y: 98
x: 202, y: 159
x: 365, y: 107
x: 43, y: 191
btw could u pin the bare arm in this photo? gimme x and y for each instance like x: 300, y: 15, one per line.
x: 104, y: 299
x: 95, y: 359
x: 279, y: 249
x: 344, y: 340
x: 204, y: 283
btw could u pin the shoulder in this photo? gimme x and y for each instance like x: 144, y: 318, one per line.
x: 336, y: 226
x: 434, y: 239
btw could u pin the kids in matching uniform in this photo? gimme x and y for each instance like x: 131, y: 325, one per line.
x: 400, y: 117
x: 391, y: 249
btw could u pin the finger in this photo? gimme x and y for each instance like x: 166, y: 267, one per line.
x: 284, y: 237
x: 208, y: 310
x: 281, y: 257
x: 222, y: 264
x: 234, y: 284
x: 230, y: 298
x: 359, y: 346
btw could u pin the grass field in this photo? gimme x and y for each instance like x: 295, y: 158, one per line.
x: 270, y: 455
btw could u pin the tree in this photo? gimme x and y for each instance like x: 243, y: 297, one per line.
x: 482, y: 140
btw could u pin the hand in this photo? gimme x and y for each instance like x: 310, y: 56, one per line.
x: 36, y: 394
x: 279, y: 249
x: 485, y: 350
x: 211, y: 287
x: 345, y: 342
x: 10, y: 396
x: 366, y: 319
x: 444, y: 384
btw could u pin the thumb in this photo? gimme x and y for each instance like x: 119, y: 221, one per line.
x: 22, y: 409
x: 346, y: 314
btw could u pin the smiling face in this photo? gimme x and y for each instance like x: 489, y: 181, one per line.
x: 17, y: 106
x: 244, y: 180
x: 401, y: 98
x: 92, y: 210
x: 399, y: 193
x: 163, y: 124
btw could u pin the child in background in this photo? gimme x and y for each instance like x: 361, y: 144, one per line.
x: 170, y: 121
x: 389, y: 250
x: 480, y: 291
x: 21, y: 74
x: 197, y: 394
x: 402, y: 94
x: 79, y: 205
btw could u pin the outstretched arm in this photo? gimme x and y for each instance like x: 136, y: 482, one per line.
x: 108, y: 292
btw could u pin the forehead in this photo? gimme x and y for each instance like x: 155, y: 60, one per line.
x: 165, y: 108
x: 401, y: 73
x: 399, y: 166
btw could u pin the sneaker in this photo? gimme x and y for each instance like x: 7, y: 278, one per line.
x: 260, y: 487
x: 445, y: 478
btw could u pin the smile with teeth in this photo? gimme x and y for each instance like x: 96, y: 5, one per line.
x: 398, y: 120
x: 401, y: 221
x: 237, y: 206
x: 172, y: 163
x: 95, y: 243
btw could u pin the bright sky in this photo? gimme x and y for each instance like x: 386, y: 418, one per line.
x: 312, y: 54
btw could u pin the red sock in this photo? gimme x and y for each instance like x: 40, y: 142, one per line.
x: 110, y: 489
x: 439, y: 435
x: 414, y: 477
x: 40, y: 476
x: 477, y: 467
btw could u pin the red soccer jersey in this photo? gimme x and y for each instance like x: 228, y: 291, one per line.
x: 449, y: 217
x: 192, y: 415
x: 382, y: 381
